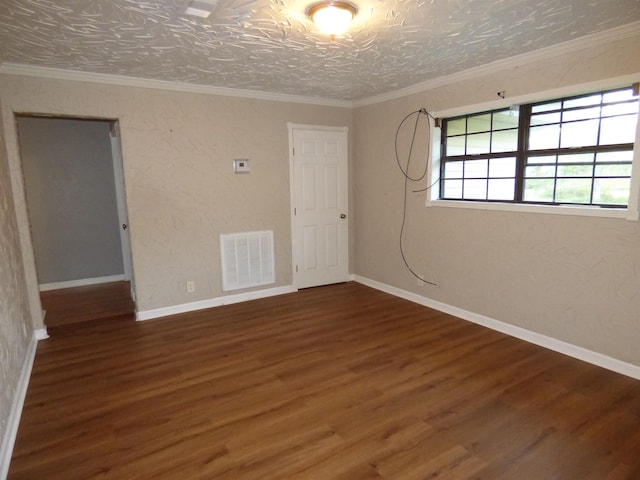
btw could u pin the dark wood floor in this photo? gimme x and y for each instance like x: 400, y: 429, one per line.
x: 340, y: 382
x: 88, y: 303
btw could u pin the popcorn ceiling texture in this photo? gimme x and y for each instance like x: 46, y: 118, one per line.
x: 15, y: 320
x: 270, y: 45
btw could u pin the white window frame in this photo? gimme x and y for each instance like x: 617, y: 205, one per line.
x: 631, y: 212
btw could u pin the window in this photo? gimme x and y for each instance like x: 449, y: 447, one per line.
x: 576, y: 151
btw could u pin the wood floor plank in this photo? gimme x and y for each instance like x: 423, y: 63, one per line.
x: 339, y: 382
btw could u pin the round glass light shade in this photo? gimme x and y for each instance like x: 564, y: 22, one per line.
x: 333, y: 18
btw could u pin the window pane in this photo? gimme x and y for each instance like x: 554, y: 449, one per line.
x: 608, y: 170
x: 479, y: 123
x: 579, y: 134
x: 545, y: 118
x: 453, y: 170
x: 504, y: 141
x: 475, y: 169
x: 576, y: 158
x: 455, y: 146
x: 453, y: 188
x: 542, y: 159
x: 538, y: 190
x: 623, y: 156
x: 540, y: 171
x: 618, y: 96
x: 618, y: 130
x: 475, y: 189
x: 478, y: 143
x: 611, y: 191
x: 505, y: 119
x: 544, y: 137
x: 502, y: 189
x: 573, y: 190
x: 545, y: 107
x: 456, y: 127
x: 583, y: 101
x: 581, y: 114
x: 502, y: 167
x: 575, y: 170
x: 567, y: 154
x: 620, y: 109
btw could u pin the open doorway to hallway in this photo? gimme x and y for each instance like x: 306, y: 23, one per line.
x: 74, y: 188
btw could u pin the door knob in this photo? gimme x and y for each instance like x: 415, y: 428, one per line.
x: 124, y: 226
x: 342, y: 215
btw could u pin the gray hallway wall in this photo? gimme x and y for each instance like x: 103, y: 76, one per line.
x: 70, y: 190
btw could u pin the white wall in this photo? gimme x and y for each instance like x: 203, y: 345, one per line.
x: 181, y: 192
x: 576, y: 279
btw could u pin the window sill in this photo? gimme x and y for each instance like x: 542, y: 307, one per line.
x: 623, y: 213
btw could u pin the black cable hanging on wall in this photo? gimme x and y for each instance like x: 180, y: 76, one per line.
x: 408, y: 177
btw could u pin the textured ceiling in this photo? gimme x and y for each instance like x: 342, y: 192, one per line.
x: 271, y: 46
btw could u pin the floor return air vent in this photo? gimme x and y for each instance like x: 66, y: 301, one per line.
x: 247, y: 259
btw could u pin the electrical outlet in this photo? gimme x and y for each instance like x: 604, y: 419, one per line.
x: 191, y: 286
x: 421, y: 281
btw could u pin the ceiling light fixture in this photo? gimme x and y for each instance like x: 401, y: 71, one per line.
x: 332, y: 17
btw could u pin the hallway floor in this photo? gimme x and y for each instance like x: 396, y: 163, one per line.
x: 82, y: 304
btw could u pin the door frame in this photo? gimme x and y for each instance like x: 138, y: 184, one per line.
x: 21, y: 211
x: 121, y: 202
x: 292, y: 192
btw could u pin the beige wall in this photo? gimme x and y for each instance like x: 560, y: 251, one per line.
x: 573, y: 278
x: 15, y: 320
x: 181, y: 193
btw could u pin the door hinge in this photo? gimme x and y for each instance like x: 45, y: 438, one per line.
x: 296, y: 268
x: 295, y: 211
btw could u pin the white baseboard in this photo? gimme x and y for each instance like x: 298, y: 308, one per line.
x: 41, y: 333
x: 80, y: 282
x: 551, y: 343
x: 213, y: 302
x: 10, y: 434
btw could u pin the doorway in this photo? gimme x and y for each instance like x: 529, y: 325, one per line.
x: 74, y: 188
x: 319, y: 228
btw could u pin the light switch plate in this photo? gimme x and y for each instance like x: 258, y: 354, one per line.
x: 241, y: 165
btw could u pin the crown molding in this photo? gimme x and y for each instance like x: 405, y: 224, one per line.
x: 125, y: 81
x: 588, y: 41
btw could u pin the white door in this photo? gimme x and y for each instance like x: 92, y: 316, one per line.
x: 319, y: 191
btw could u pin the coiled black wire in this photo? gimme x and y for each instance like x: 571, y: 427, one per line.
x: 407, y: 178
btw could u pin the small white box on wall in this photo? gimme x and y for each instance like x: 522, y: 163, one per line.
x: 241, y: 165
